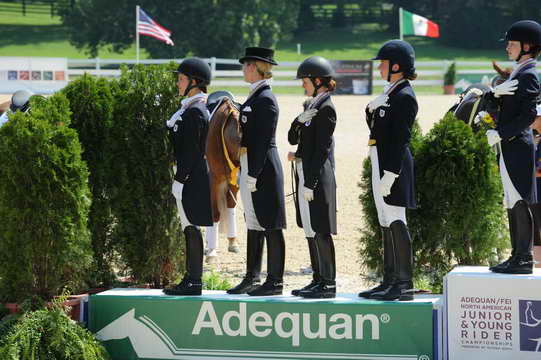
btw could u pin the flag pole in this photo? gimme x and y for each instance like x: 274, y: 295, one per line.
x: 400, y: 21
x: 137, y: 33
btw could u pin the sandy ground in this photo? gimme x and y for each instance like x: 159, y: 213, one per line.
x: 351, y: 136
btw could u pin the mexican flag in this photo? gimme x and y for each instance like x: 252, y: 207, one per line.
x: 413, y: 24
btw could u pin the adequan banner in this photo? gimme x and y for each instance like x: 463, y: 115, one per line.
x: 144, y: 324
x: 493, y: 316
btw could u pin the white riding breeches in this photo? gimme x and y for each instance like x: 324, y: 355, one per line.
x: 510, y: 193
x: 249, y: 211
x: 387, y: 214
x: 212, y: 232
x: 304, y: 207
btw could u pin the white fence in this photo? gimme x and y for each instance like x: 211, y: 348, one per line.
x: 284, y: 74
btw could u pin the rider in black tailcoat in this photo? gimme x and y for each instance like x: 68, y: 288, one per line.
x: 513, y: 137
x: 191, y: 188
x: 390, y: 118
x: 315, y: 202
x: 261, y: 178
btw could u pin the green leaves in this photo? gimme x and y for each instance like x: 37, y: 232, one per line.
x: 49, y: 334
x: 203, y: 28
x: 44, y: 201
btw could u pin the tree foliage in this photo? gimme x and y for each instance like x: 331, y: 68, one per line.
x: 49, y: 334
x: 460, y: 218
x: 44, y: 201
x: 202, y: 28
x: 91, y: 104
x: 147, y: 230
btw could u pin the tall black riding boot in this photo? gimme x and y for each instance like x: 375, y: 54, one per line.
x: 522, y: 261
x: 254, y: 256
x: 276, y: 252
x: 314, y: 262
x: 191, y: 284
x: 536, y: 214
x: 388, y: 264
x: 512, y: 234
x: 402, y: 286
x: 326, y: 288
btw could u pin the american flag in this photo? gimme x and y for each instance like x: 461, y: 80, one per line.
x: 147, y: 26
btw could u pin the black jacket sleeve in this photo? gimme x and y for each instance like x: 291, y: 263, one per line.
x: 187, y: 149
x: 324, y: 122
x: 403, y: 113
x: 527, y: 92
x: 293, y: 134
x: 265, y: 122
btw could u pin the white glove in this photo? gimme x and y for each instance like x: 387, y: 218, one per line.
x: 174, y: 118
x: 380, y: 101
x: 4, y: 118
x: 308, y: 194
x: 307, y: 115
x: 505, y: 88
x: 386, y: 182
x: 251, y: 183
x: 479, y: 116
x: 177, y: 190
x: 493, y: 137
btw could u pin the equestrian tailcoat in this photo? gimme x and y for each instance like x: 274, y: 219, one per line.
x: 315, y: 140
x: 259, y: 119
x: 189, y: 135
x: 517, y: 113
x: 390, y: 131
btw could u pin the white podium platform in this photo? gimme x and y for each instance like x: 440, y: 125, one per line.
x: 492, y: 316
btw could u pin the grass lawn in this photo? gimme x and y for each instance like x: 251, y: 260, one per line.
x: 39, y: 34
x: 363, y: 42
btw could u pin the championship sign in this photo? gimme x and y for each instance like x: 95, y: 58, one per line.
x: 353, y: 77
x: 145, y: 324
x: 493, y: 316
x: 39, y: 75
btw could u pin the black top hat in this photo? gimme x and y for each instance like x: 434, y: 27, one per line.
x: 259, y: 53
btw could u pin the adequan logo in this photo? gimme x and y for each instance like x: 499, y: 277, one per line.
x: 286, y: 325
x: 530, y: 325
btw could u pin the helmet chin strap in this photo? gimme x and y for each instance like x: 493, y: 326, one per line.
x: 316, y: 87
x: 391, y: 71
x: 189, y: 87
x: 522, y: 52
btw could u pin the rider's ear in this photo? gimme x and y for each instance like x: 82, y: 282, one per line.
x: 395, y: 67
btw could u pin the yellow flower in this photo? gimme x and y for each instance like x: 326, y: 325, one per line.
x: 488, y: 119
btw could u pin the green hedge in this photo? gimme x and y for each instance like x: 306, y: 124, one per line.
x: 147, y: 232
x: 91, y: 104
x: 44, y: 201
x: 460, y: 218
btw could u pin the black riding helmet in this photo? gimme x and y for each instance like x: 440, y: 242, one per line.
x: 20, y: 100
x: 315, y: 67
x: 525, y: 31
x: 397, y: 52
x: 195, y: 68
x: 216, y: 97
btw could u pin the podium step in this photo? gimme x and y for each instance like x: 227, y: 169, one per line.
x: 492, y: 316
x: 146, y: 324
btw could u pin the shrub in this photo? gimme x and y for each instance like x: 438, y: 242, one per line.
x: 213, y: 281
x: 91, y: 104
x: 50, y: 334
x: 147, y: 232
x: 44, y: 201
x: 460, y: 218
x: 449, y: 78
